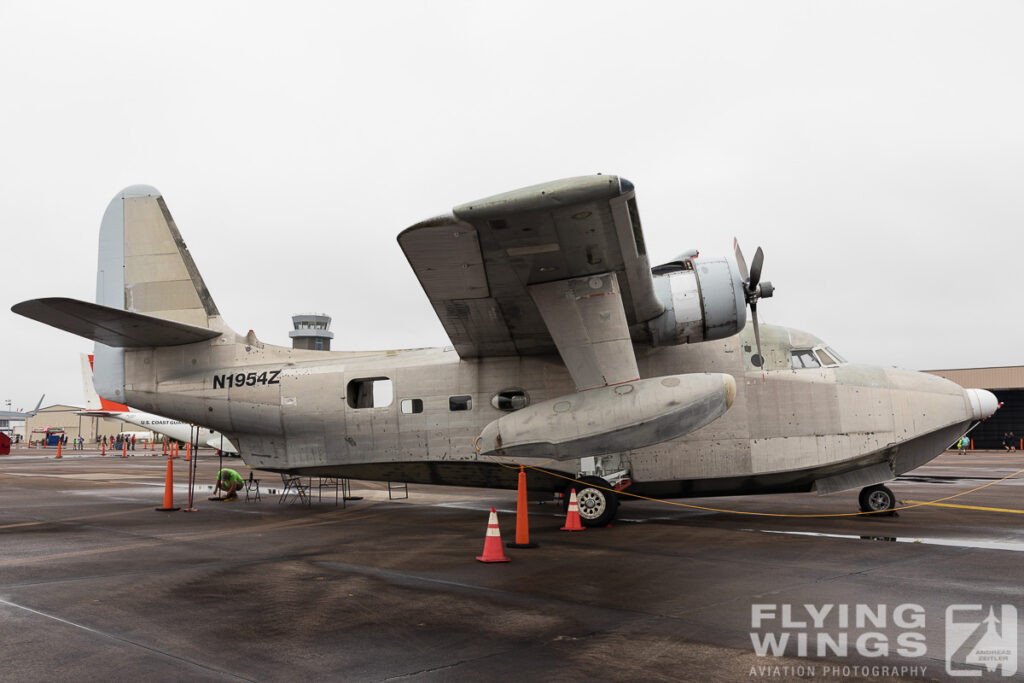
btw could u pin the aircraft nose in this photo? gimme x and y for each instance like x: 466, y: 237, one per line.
x: 983, y: 403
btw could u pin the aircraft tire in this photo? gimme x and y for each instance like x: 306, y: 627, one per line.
x: 597, y: 505
x: 878, y: 499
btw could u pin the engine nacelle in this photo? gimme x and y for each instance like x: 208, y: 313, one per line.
x: 704, y: 299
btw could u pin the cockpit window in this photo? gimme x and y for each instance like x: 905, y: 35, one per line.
x: 804, y: 358
x: 832, y: 352
x: 825, y: 359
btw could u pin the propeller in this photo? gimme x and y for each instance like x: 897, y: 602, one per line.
x: 753, y: 288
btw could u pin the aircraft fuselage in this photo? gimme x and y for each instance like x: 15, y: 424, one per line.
x: 828, y: 427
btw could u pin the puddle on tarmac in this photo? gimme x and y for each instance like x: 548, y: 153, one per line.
x: 1017, y: 546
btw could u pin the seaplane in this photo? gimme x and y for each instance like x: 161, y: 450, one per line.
x: 570, y: 355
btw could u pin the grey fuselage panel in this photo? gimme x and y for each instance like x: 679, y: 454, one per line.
x: 296, y: 411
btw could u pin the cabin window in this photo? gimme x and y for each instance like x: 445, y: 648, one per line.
x: 460, y: 403
x: 510, y: 399
x: 803, y: 358
x: 412, y: 405
x: 370, y: 392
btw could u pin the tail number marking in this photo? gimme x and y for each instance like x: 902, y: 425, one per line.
x: 244, y: 379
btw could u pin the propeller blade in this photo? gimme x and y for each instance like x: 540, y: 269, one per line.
x: 755, y: 269
x: 740, y: 261
x: 757, y: 332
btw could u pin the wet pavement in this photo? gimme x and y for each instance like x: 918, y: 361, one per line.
x: 96, y: 584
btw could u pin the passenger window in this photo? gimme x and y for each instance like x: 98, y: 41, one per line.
x: 370, y: 392
x: 510, y: 399
x: 412, y: 405
x: 460, y: 403
x: 825, y: 358
x: 804, y: 359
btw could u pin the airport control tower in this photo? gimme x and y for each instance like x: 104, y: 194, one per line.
x: 312, y: 331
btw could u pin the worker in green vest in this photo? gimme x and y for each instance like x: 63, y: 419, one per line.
x: 230, y: 482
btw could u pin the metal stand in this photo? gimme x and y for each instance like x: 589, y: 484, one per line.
x: 394, y: 487
x: 193, y: 439
x: 346, y: 490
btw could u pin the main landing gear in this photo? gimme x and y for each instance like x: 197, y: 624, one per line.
x: 878, y: 499
x: 597, y: 503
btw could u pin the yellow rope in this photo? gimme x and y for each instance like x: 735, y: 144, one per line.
x: 744, y: 512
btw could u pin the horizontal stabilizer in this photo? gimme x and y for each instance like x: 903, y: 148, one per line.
x: 111, y: 326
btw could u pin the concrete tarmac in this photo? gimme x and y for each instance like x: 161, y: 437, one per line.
x: 97, y: 585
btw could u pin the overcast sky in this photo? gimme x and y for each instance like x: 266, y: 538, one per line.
x: 875, y: 150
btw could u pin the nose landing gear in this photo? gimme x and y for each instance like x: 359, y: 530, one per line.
x: 878, y: 499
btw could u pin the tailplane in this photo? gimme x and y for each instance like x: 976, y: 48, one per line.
x: 148, y: 290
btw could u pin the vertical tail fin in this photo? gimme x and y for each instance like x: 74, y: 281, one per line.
x: 145, y: 267
x: 93, y: 402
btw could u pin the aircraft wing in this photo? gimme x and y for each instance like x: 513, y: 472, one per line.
x: 18, y: 415
x: 560, y: 265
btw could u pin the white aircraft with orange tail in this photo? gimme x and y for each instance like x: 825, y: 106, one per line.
x: 96, y: 406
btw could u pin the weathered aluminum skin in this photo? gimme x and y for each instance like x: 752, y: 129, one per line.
x: 786, y: 428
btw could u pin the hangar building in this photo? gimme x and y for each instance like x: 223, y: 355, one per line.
x: 1007, y: 383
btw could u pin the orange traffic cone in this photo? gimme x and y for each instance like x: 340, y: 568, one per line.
x: 58, y: 449
x: 124, y: 449
x: 188, y: 452
x: 104, y: 451
x: 572, y: 516
x: 492, y: 541
x: 165, y: 448
x: 522, y: 516
x: 168, y: 490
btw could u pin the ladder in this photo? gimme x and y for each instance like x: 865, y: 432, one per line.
x: 395, y: 488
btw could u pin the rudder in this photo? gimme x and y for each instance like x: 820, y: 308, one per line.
x: 145, y: 267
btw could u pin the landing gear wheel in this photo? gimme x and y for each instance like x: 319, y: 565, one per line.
x: 597, y: 505
x: 878, y: 499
